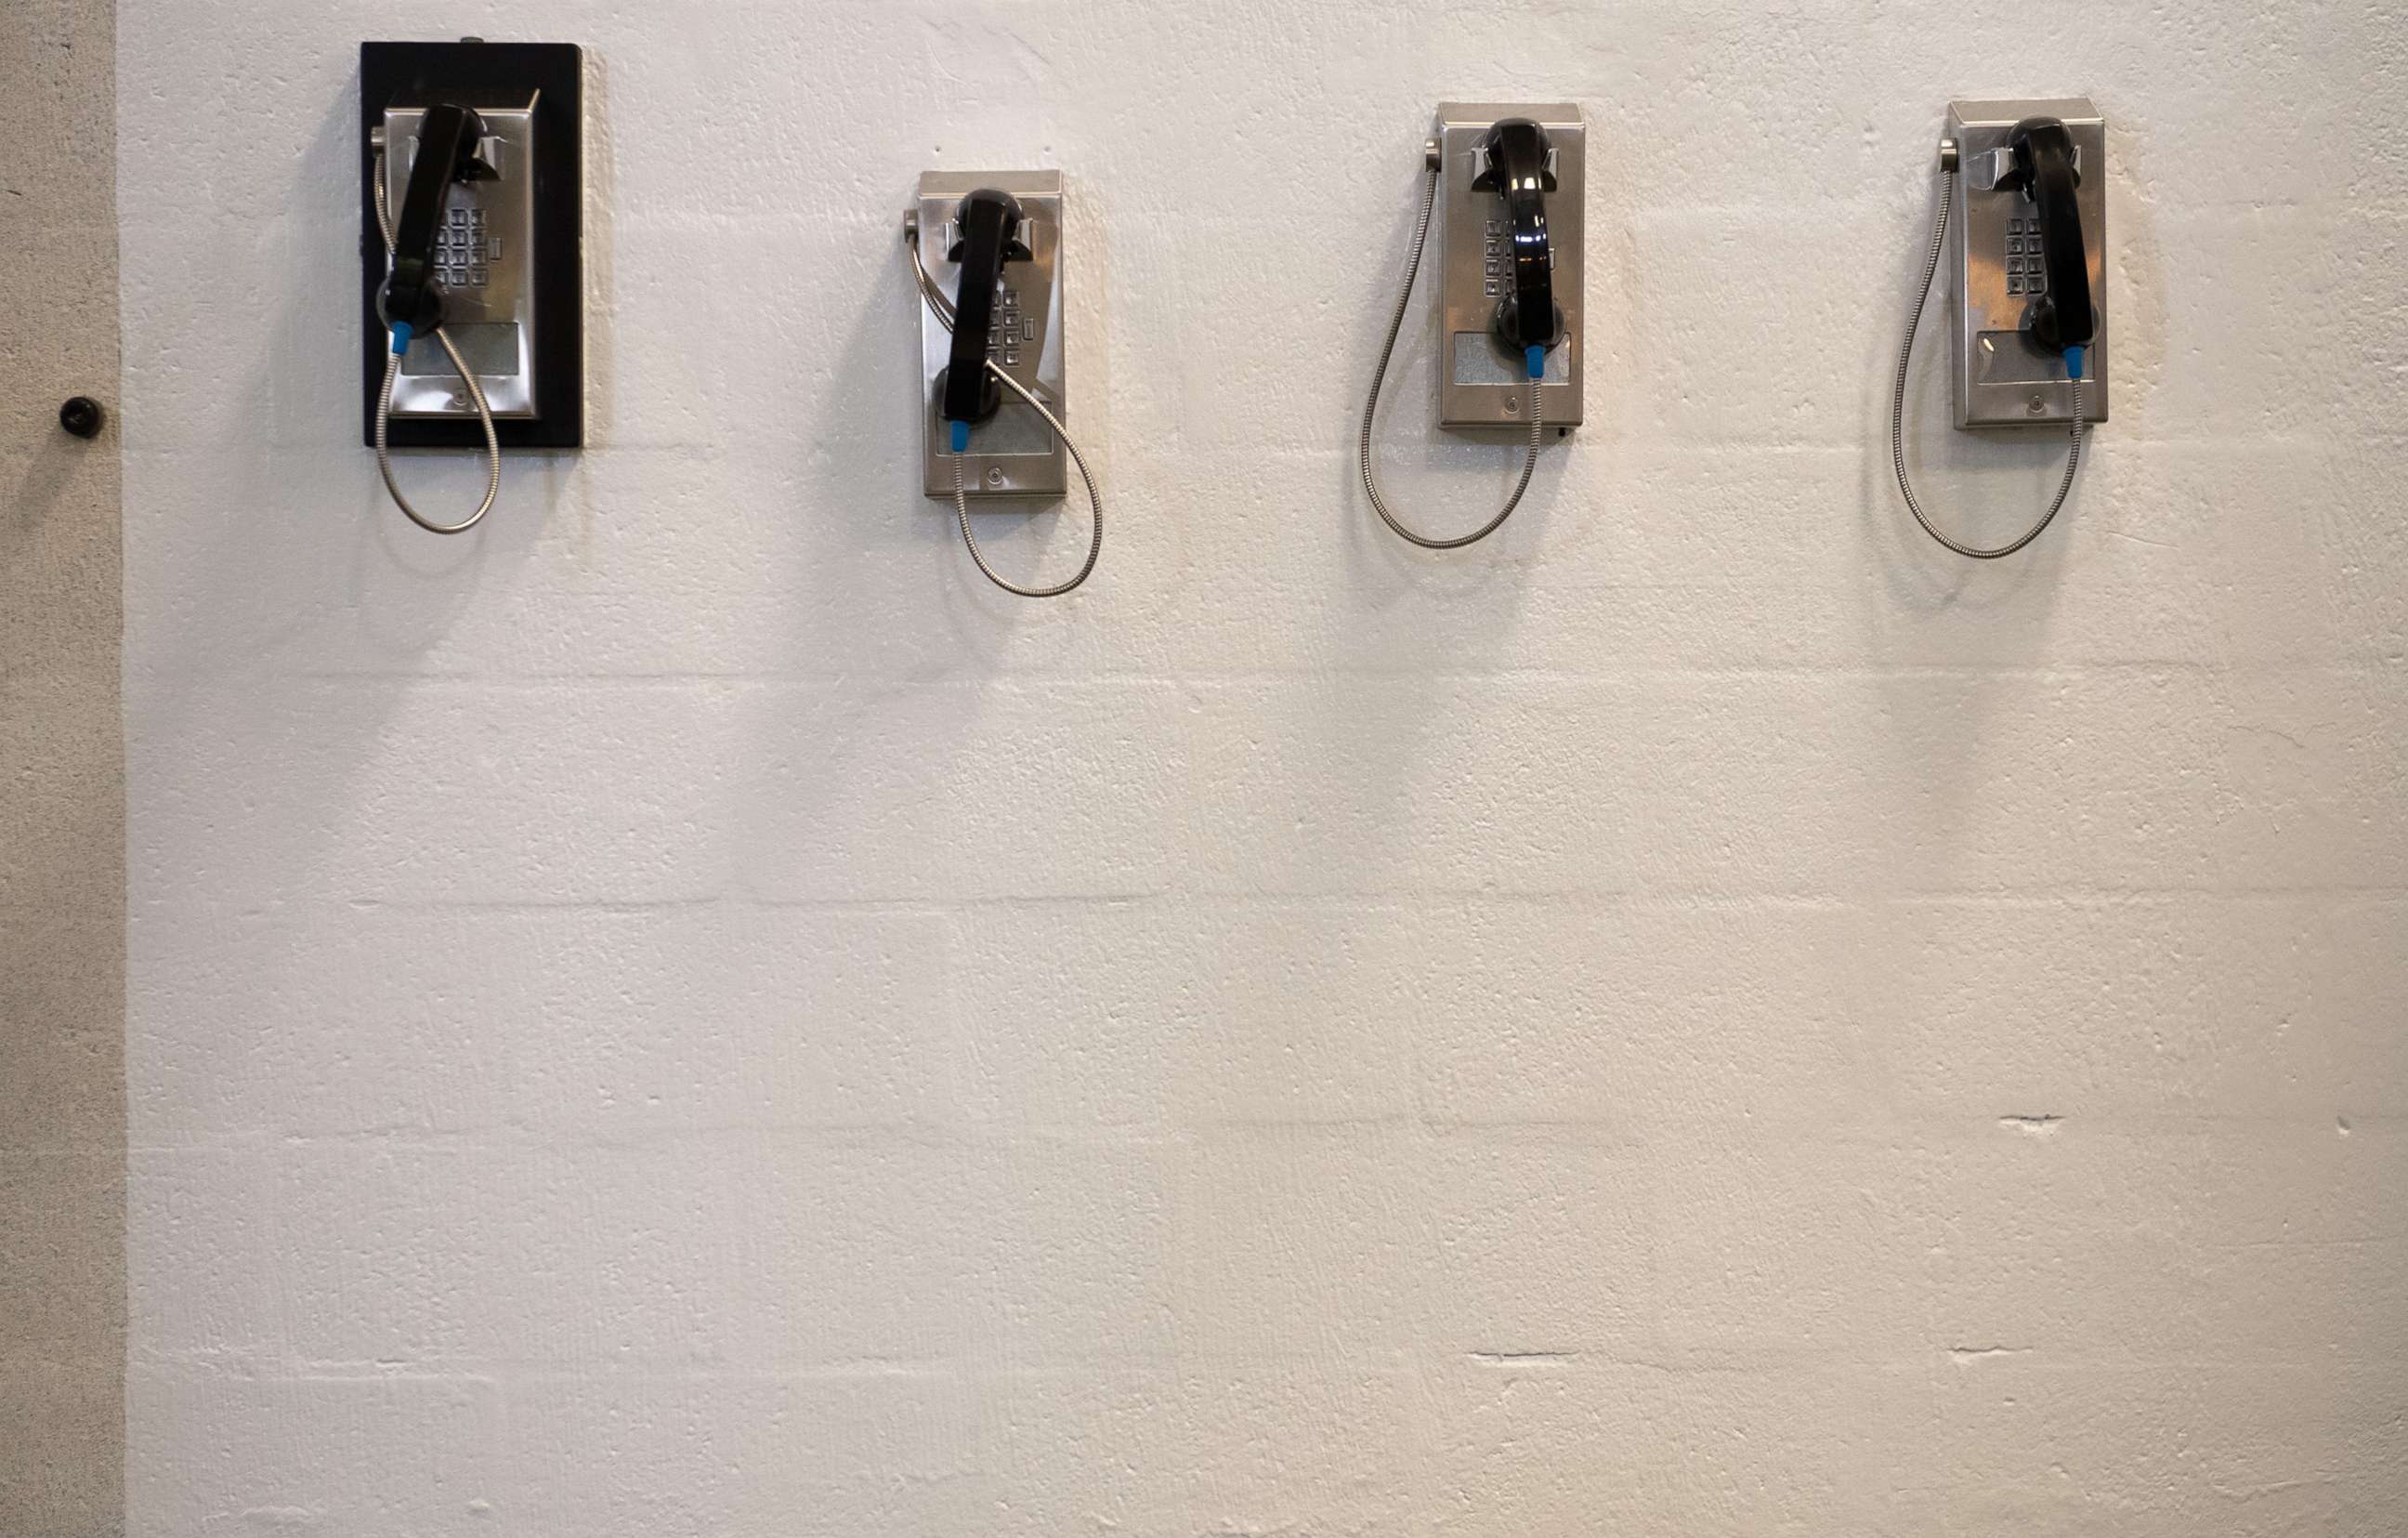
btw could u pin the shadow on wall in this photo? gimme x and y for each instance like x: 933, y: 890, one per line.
x: 34, y: 501
x: 298, y: 510
x: 1983, y: 486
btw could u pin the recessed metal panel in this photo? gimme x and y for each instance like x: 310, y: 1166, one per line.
x: 485, y: 246
x: 511, y: 253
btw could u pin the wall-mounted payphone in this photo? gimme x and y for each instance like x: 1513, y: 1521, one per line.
x: 2024, y: 186
x: 1507, y: 184
x: 472, y: 252
x: 986, y: 257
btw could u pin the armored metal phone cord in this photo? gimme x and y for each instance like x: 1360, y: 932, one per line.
x: 942, y: 308
x: 1371, y: 406
x: 1897, y: 411
x: 384, y: 404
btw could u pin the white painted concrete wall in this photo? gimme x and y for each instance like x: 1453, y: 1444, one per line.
x: 687, y: 1013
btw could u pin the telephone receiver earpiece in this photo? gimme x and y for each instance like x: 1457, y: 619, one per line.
x: 2045, y: 170
x: 1517, y: 164
x: 987, y: 224
x: 448, y: 139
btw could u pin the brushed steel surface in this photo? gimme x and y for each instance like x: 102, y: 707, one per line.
x: 2001, y: 376
x: 1014, y: 454
x: 487, y: 251
x: 1481, y: 385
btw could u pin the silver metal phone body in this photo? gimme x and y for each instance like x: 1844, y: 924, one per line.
x: 1013, y: 454
x: 2002, y: 378
x: 484, y: 251
x: 1481, y: 384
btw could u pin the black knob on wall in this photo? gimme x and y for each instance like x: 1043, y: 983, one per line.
x: 83, y: 416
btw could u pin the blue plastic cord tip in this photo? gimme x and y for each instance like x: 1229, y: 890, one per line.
x: 400, y: 338
x: 2073, y: 362
x: 961, y: 437
x: 1535, y: 360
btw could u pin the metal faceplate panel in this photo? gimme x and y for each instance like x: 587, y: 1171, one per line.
x: 1013, y: 454
x: 1480, y: 382
x: 484, y: 252
x: 2002, y: 378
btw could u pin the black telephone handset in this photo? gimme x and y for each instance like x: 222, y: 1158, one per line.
x: 988, y: 225
x: 1529, y: 321
x: 448, y: 139
x: 2062, y: 319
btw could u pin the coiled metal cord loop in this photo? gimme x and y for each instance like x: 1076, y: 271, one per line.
x: 942, y: 308
x: 1897, y: 414
x: 1095, y: 503
x: 467, y: 377
x: 1371, y: 406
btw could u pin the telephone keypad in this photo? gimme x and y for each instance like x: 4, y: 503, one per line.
x: 463, y: 248
x: 1010, y: 327
x: 1493, y: 259
x: 2024, y: 271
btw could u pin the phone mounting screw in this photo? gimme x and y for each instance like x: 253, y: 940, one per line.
x: 83, y: 416
x: 994, y: 478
